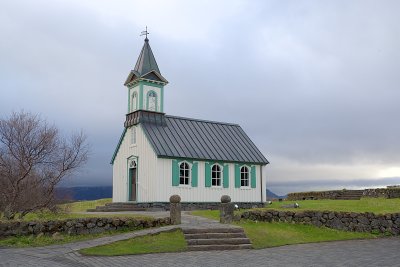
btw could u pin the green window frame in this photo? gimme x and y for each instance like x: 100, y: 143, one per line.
x: 187, y: 176
x: 245, y: 176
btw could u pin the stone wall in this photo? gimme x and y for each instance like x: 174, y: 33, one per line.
x: 77, y: 226
x: 314, y: 195
x: 382, y: 192
x: 347, y: 221
x: 332, y: 194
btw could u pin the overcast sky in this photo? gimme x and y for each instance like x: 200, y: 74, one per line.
x: 315, y: 84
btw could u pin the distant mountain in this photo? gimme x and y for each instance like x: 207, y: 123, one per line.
x: 271, y: 195
x: 84, y: 193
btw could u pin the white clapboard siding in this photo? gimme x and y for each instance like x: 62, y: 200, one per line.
x: 155, y: 178
x: 147, y: 162
x: 202, y: 193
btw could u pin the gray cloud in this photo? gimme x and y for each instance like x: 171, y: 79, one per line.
x: 314, y: 84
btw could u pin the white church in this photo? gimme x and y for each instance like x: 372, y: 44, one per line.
x: 159, y: 155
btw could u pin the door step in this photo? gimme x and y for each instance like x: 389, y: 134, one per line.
x: 216, y: 239
x: 110, y: 207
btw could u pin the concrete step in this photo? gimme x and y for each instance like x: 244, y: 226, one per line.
x: 218, y: 247
x: 111, y: 209
x: 212, y: 230
x: 218, y: 241
x: 122, y: 205
x: 215, y: 235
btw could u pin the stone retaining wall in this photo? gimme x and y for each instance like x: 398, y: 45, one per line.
x: 314, y: 195
x: 382, y: 192
x: 347, y: 221
x: 332, y: 194
x: 77, y: 226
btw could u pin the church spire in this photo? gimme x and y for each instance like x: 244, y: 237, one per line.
x: 146, y: 67
x: 146, y: 61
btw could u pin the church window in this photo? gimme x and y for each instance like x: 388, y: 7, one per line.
x: 184, y: 173
x: 244, y: 176
x: 133, y: 135
x: 134, y: 102
x: 216, y: 175
x: 152, y: 101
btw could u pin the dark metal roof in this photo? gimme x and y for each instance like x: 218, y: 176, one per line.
x: 199, y: 139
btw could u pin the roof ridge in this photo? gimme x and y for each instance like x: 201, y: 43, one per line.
x: 201, y: 120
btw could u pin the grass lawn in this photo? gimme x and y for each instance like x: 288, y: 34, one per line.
x: 74, y: 210
x: 264, y: 235
x: 210, y: 214
x: 82, y: 206
x: 162, y: 242
x: 33, y: 241
x: 375, y: 205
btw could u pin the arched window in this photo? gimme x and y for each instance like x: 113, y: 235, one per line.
x: 152, y: 101
x: 184, y: 173
x: 244, y: 176
x: 216, y: 175
x: 134, y: 102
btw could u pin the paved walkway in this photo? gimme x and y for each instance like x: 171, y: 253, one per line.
x: 377, y: 252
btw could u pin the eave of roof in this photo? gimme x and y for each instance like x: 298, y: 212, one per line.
x: 118, y: 146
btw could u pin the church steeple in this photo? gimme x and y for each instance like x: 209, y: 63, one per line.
x: 145, y: 83
x: 146, y: 61
x: 146, y: 66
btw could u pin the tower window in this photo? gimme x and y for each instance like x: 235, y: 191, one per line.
x: 184, y: 173
x: 216, y: 174
x: 244, y: 176
x: 134, y: 102
x: 152, y: 101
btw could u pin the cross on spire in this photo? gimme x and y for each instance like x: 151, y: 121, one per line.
x: 145, y: 33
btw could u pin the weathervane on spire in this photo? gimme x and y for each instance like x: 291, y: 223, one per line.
x: 144, y: 33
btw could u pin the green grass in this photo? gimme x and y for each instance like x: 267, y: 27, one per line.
x: 210, y: 214
x: 82, y: 206
x: 375, y: 205
x: 162, y: 242
x: 75, y: 210
x: 264, y: 235
x: 33, y: 241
